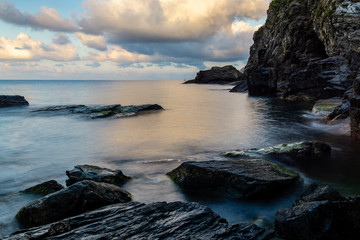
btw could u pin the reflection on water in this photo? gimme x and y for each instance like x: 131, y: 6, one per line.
x: 198, y: 122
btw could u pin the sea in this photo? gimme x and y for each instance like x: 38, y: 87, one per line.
x: 198, y: 122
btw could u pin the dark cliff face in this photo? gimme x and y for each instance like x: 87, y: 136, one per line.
x: 298, y: 34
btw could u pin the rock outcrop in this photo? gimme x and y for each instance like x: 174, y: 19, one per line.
x: 15, y: 100
x: 45, y: 188
x: 109, y: 111
x: 218, y: 75
x: 239, y: 178
x: 298, y: 151
x: 135, y: 220
x: 78, y: 198
x: 97, y: 174
x: 320, y: 213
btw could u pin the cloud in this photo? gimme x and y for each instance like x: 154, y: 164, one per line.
x: 94, y: 65
x: 118, y: 55
x: 92, y: 41
x: 61, y: 39
x: 165, y: 20
x: 47, y: 18
x: 25, y: 48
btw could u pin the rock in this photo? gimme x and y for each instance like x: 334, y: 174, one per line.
x: 321, y: 79
x: 241, y: 87
x: 78, y: 198
x: 93, y: 112
x: 97, y: 174
x: 354, y: 100
x: 326, y: 106
x: 312, y: 45
x: 15, y: 100
x: 239, y: 178
x: 340, y: 112
x: 135, y: 220
x: 298, y: 151
x: 218, y: 75
x: 321, y: 213
x: 45, y: 188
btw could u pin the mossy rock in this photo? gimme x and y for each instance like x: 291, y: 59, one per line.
x: 326, y: 106
x: 45, y: 188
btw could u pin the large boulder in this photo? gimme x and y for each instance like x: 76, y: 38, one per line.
x: 15, y: 100
x: 135, y: 220
x: 298, y: 151
x: 78, y: 198
x: 45, y: 188
x: 108, y: 111
x: 97, y: 174
x: 238, y: 178
x: 319, y: 214
x: 218, y: 75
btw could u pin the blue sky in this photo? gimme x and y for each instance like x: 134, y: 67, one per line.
x: 124, y: 39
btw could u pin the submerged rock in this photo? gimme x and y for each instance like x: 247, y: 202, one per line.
x: 320, y: 213
x: 218, y: 75
x: 94, y: 112
x: 240, y: 178
x: 301, y: 151
x: 326, y: 106
x: 78, y: 198
x: 135, y: 220
x: 97, y: 174
x: 45, y: 188
x: 14, y: 100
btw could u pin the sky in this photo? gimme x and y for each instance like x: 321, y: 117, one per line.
x: 124, y: 39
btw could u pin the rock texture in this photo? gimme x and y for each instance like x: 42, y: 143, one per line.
x: 312, y: 45
x: 109, y: 111
x: 218, y: 75
x: 16, y: 100
x: 299, y: 151
x: 139, y: 221
x: 240, y: 178
x: 97, y: 174
x: 45, y: 188
x: 320, y: 213
x: 78, y: 198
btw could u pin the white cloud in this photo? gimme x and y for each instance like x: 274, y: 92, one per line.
x: 92, y: 41
x: 23, y: 47
x: 118, y: 55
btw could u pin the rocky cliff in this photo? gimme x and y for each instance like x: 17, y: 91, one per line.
x: 308, y: 50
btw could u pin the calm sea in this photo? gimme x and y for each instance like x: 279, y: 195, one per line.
x: 198, y: 122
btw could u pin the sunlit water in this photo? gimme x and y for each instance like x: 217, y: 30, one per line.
x: 198, y: 122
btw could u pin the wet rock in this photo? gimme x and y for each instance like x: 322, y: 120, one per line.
x: 240, y: 178
x: 320, y: 213
x: 340, y: 112
x: 354, y: 100
x: 45, y: 188
x: 135, y: 220
x: 93, y: 112
x: 299, y: 151
x: 326, y: 106
x: 78, y: 198
x: 241, y: 87
x: 218, y: 75
x: 15, y: 100
x: 97, y: 174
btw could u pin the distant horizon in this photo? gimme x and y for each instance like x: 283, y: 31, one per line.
x: 140, y: 40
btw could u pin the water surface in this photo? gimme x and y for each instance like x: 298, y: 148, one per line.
x: 198, y: 122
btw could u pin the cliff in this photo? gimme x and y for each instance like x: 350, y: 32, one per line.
x: 308, y: 50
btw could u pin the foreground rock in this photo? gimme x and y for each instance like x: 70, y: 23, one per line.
x: 97, y: 174
x: 15, y: 100
x: 139, y: 221
x: 78, y: 198
x: 93, y: 112
x: 218, y: 75
x: 298, y: 151
x: 240, y: 178
x: 320, y: 213
x: 45, y: 188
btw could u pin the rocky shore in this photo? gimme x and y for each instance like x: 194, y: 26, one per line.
x: 12, y: 100
x: 93, y: 206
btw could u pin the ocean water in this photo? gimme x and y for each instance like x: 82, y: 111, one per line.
x: 198, y: 122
